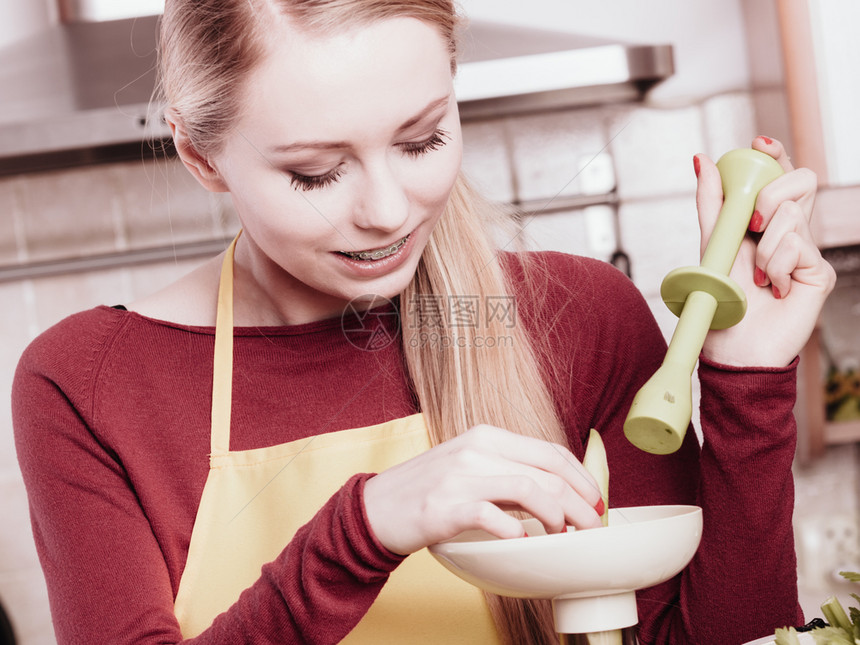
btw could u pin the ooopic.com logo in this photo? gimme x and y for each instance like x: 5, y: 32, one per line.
x: 370, y: 322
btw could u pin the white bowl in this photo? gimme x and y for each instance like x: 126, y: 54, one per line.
x: 591, y: 575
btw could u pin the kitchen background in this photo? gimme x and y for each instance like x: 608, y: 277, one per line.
x: 613, y: 180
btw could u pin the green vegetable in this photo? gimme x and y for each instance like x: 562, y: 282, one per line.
x: 844, y: 627
x: 835, y: 614
x: 786, y: 636
x: 595, y: 463
x: 611, y: 637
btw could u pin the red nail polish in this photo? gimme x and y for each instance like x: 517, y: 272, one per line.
x: 775, y: 292
x: 599, y: 507
x: 756, y: 222
x: 525, y: 534
x: 564, y: 529
x: 696, y: 165
x: 759, y: 277
x: 767, y: 140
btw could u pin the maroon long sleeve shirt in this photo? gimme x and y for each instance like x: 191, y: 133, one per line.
x: 111, y: 416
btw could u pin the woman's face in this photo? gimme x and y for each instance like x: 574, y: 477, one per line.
x: 347, y: 143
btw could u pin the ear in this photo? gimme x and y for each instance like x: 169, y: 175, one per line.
x: 197, y: 164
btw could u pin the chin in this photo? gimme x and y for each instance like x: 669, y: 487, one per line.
x: 384, y: 288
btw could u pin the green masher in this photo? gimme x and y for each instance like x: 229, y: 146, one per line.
x: 703, y: 298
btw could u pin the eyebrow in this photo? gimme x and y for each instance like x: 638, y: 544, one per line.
x: 333, y: 145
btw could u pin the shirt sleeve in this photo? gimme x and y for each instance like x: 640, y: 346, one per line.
x: 107, y: 577
x: 741, y: 584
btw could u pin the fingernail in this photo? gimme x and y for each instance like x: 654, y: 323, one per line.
x: 599, y: 507
x: 775, y: 292
x: 767, y: 140
x: 756, y: 221
x: 759, y: 277
x: 696, y: 165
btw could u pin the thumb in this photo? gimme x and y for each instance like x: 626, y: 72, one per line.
x: 709, y: 196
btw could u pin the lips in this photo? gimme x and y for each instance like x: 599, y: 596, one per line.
x: 376, y: 254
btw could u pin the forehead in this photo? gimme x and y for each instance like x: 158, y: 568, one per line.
x: 360, y: 78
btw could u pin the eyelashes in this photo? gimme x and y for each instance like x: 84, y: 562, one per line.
x: 438, y: 139
x: 303, y: 182
x: 412, y: 149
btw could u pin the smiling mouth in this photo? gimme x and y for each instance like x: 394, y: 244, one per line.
x: 376, y: 254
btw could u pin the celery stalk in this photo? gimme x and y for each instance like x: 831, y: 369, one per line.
x: 596, y: 464
x: 835, y: 614
x: 611, y: 637
x: 786, y: 636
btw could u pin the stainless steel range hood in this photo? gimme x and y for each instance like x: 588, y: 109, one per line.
x: 79, y: 93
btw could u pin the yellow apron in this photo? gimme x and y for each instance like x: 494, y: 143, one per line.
x: 254, y: 501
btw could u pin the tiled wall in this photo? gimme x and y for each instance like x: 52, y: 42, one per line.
x: 67, y: 214
x: 540, y: 160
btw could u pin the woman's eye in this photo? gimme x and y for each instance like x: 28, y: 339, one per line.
x: 436, y: 141
x: 414, y: 149
x: 310, y: 182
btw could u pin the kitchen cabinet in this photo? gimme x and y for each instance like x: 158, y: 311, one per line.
x: 821, y: 54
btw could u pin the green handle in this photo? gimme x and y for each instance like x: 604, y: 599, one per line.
x: 744, y: 173
x: 704, y: 298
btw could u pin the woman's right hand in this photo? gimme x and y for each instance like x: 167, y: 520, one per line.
x: 470, y: 481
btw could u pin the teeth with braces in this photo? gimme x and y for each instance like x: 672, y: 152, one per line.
x: 377, y: 254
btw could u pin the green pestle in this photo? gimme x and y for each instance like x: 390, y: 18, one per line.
x: 703, y: 298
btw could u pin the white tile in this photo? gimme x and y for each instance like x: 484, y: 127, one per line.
x: 551, y: 150
x: 25, y: 598
x: 729, y: 123
x: 9, y: 207
x: 15, y: 332
x: 601, y: 229
x: 829, y: 485
x: 22, y: 585
x: 163, y: 204
x: 69, y: 213
x: 149, y: 278
x: 564, y: 232
x: 60, y: 296
x: 17, y: 548
x: 772, y: 118
x: 659, y: 236
x: 487, y: 159
x: 653, y: 150
x: 16, y: 316
x: 596, y: 174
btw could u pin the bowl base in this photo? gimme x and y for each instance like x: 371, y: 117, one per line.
x: 626, y: 636
x: 595, y: 613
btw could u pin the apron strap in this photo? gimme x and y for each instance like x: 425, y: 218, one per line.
x: 222, y: 373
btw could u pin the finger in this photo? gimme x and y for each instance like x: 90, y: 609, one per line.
x: 789, y: 219
x: 536, y: 453
x: 488, y: 517
x: 796, y: 261
x: 709, y: 196
x: 775, y: 149
x: 525, y: 493
x: 574, y: 508
x: 798, y: 186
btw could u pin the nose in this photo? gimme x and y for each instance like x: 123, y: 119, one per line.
x: 383, y: 204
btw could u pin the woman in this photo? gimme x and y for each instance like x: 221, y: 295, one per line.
x: 334, y: 127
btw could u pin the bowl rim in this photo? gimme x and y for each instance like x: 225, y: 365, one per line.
x: 674, y: 512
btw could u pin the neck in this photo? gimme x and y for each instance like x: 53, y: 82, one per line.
x: 265, y: 295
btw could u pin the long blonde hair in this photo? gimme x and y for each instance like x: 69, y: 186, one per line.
x: 480, y: 374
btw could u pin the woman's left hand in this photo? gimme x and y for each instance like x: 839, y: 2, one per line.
x: 784, y: 276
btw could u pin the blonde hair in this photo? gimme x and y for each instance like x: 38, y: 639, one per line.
x: 206, y: 52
